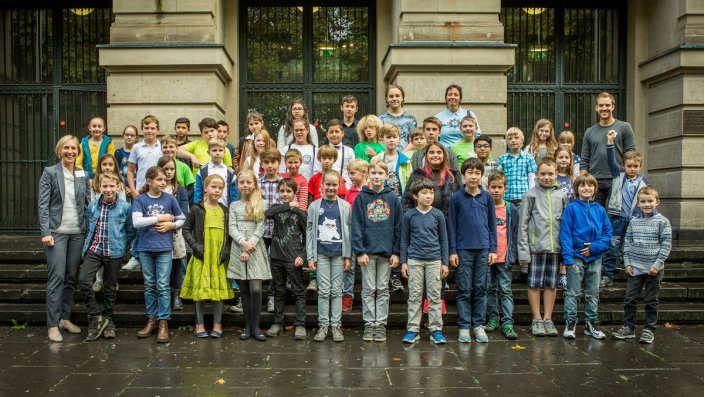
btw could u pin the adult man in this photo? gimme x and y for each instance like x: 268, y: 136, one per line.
x: 593, y: 158
x: 451, y: 116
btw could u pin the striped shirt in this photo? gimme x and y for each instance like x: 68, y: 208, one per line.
x: 517, y: 169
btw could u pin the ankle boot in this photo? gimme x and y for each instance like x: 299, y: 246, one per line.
x: 148, y: 329
x: 176, y: 303
x: 163, y: 335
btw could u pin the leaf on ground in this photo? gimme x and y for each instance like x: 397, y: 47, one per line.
x: 396, y: 358
x: 518, y: 347
x: 289, y: 328
x: 220, y: 381
x: 669, y: 325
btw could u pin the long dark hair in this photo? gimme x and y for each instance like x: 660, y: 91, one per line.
x: 289, y: 123
x: 174, y: 182
x: 152, y: 173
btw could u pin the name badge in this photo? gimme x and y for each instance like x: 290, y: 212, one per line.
x: 80, y: 174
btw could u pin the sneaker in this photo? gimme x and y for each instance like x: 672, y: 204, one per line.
x: 563, y: 281
x: 480, y: 334
x: 380, y: 333
x: 109, y: 332
x: 274, y: 330
x: 443, y: 307
x: 97, y: 286
x: 464, y: 336
x: 132, y: 264
x: 96, y: 326
x: 347, y: 303
x: 537, y: 328
x: 550, y: 328
x: 233, y: 285
x: 368, y: 335
x: 491, y: 325
x: 270, y: 304
x: 410, y: 337
x: 647, y: 336
x: 425, y: 306
x: 312, y: 285
x: 300, y: 332
x: 606, y: 282
x: 569, y: 331
x: 593, y: 330
x: 321, y: 334
x: 337, y: 334
x: 438, y: 338
x: 397, y: 286
x: 508, y: 331
x: 525, y: 269
x: 237, y: 308
x: 624, y: 333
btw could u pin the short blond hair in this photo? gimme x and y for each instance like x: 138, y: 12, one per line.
x: 216, y: 143
x: 327, y: 152
x: 168, y: 139
x: 389, y: 130
x: 377, y: 162
x: 359, y: 165
x: 514, y: 131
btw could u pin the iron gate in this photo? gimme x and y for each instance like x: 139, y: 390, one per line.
x: 50, y: 85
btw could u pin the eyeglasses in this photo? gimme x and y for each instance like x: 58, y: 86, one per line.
x: 482, y: 146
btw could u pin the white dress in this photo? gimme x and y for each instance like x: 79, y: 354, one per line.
x: 241, y: 229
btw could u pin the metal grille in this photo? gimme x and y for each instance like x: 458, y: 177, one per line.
x: 565, y: 56
x: 50, y: 85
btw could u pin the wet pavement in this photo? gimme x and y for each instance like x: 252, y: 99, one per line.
x: 127, y: 366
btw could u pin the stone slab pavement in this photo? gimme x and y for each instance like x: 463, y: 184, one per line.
x: 187, y: 366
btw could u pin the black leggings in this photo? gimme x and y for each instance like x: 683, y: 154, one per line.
x: 251, y: 294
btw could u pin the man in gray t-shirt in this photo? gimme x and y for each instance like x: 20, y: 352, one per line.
x: 593, y: 158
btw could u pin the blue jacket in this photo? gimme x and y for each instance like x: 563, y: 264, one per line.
x: 230, y: 194
x: 376, y: 223
x: 120, y: 230
x: 87, y: 159
x: 584, y: 222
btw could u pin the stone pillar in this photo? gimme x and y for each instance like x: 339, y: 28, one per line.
x: 167, y: 58
x: 435, y: 43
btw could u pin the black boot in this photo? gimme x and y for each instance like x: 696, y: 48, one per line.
x: 176, y: 303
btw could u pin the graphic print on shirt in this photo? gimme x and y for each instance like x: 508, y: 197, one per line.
x: 154, y: 210
x: 394, y: 183
x: 378, y: 211
x: 328, y: 232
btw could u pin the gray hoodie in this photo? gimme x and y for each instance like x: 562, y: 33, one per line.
x: 540, y: 218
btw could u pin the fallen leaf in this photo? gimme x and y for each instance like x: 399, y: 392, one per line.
x: 396, y: 359
x: 669, y: 325
x: 220, y: 381
x: 518, y: 347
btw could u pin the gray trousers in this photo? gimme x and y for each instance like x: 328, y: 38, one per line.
x: 375, y: 291
x: 428, y: 273
x: 63, y: 260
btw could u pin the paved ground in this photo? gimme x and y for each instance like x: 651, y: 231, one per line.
x: 127, y: 366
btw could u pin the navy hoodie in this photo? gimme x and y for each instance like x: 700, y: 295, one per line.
x: 376, y: 223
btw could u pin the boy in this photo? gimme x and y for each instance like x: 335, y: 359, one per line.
x: 585, y: 235
x: 109, y: 232
x: 647, y: 244
x: 424, y: 260
x: 518, y: 166
x: 431, y: 131
x: 328, y: 251
x: 292, y: 160
x: 334, y: 133
x: 216, y: 151
x: 182, y: 127
x: 472, y: 245
x: 539, y: 227
x: 465, y: 148
x: 269, y: 183
x: 183, y: 173
x: 376, y: 233
x: 398, y: 164
x: 287, y: 255
x: 327, y: 156
x: 622, y: 203
x: 223, y: 132
x: 94, y: 146
x: 483, y: 150
x: 197, y: 151
x: 418, y: 142
x: 507, y: 217
x: 357, y: 169
x: 348, y: 105
x: 122, y: 155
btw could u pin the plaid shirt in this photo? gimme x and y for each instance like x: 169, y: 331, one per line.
x: 270, y: 194
x: 517, y: 170
x: 101, y: 240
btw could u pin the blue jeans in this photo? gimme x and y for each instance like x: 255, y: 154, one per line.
x: 500, y: 279
x: 330, y: 290
x: 619, y: 229
x: 156, y: 270
x: 471, y: 279
x: 581, y: 274
x: 349, y: 278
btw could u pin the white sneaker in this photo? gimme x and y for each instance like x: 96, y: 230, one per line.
x: 481, y: 335
x: 132, y: 264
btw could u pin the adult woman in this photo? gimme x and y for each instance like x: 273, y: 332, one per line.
x: 64, y: 193
x: 395, y: 114
x: 452, y: 115
x: 296, y: 111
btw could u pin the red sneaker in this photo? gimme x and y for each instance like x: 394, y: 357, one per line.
x: 443, y: 306
x: 347, y: 303
x: 425, y: 305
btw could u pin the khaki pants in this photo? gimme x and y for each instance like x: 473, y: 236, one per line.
x: 428, y: 272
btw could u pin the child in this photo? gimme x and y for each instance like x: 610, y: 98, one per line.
x: 621, y: 205
x: 253, y: 124
x: 255, y: 146
x: 182, y: 127
x: 348, y: 105
x: 288, y: 254
x: 483, y: 150
x: 109, y: 221
x: 122, y: 155
x: 327, y: 155
x: 183, y: 171
x: 269, y: 184
x: 431, y: 131
x: 368, y: 131
x: 206, y: 234
x: 216, y: 152
x: 328, y: 252
x: 296, y: 113
x: 155, y: 215
x: 197, y: 151
x: 585, y: 235
x: 465, y: 148
x: 357, y: 169
x: 398, y: 164
x: 335, y: 135
x: 302, y: 143
x: 518, y: 166
x: 539, y: 243
x: 507, y: 217
x: 543, y: 141
x: 94, y: 146
x: 395, y: 114
x: 565, y: 178
x: 292, y: 161
x: 424, y: 260
x: 472, y: 245
x: 376, y: 233
x: 248, y: 255
x: 566, y: 139
x: 418, y: 142
x: 647, y: 244
x: 223, y: 132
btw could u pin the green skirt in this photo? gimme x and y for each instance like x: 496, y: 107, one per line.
x: 206, y: 280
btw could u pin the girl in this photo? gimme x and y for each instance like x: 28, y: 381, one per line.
x: 249, y: 264
x: 63, y: 197
x: 93, y: 146
x: 122, y: 155
x: 156, y: 215
x: 395, y: 114
x: 543, y: 142
x: 205, y: 233
x: 178, y: 264
x: 565, y: 178
x: 302, y: 143
x: 368, y: 132
x: 566, y: 139
x: 253, y: 124
x: 250, y: 161
x: 296, y: 112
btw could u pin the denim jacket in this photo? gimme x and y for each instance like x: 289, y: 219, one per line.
x: 120, y: 231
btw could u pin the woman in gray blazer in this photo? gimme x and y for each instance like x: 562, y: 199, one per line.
x: 64, y: 194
